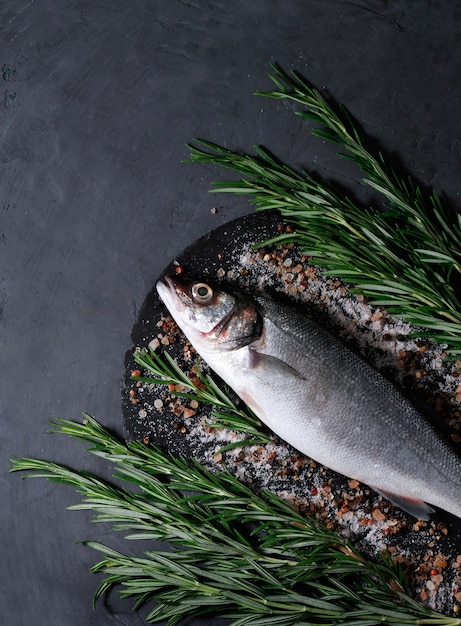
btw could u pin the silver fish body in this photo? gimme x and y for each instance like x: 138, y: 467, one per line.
x: 319, y: 396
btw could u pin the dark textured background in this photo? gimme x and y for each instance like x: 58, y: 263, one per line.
x: 96, y: 103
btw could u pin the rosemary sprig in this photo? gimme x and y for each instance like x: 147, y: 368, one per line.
x: 403, y: 257
x: 425, y: 217
x: 165, y: 371
x: 234, y: 553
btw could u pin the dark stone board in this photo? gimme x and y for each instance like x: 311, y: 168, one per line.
x: 97, y: 101
x: 227, y: 258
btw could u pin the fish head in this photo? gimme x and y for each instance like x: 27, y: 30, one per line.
x: 211, y: 317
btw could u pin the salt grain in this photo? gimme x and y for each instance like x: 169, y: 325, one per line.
x: 376, y: 316
x: 378, y: 515
x: 153, y: 345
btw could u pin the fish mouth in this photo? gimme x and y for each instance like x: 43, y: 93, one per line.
x: 172, y: 293
x: 176, y: 294
x: 176, y: 297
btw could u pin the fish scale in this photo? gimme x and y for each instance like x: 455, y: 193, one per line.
x: 362, y: 409
x: 318, y: 395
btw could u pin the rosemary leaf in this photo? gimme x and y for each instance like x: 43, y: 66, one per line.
x: 226, y: 413
x: 233, y: 553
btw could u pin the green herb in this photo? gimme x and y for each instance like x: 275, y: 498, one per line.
x: 225, y: 411
x: 405, y: 256
x: 235, y: 554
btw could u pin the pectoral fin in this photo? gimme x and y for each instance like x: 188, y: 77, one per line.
x: 273, y: 366
x: 412, y: 506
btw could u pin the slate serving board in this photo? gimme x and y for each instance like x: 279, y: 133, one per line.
x: 226, y: 255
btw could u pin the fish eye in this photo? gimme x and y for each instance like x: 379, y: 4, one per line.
x: 202, y: 292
